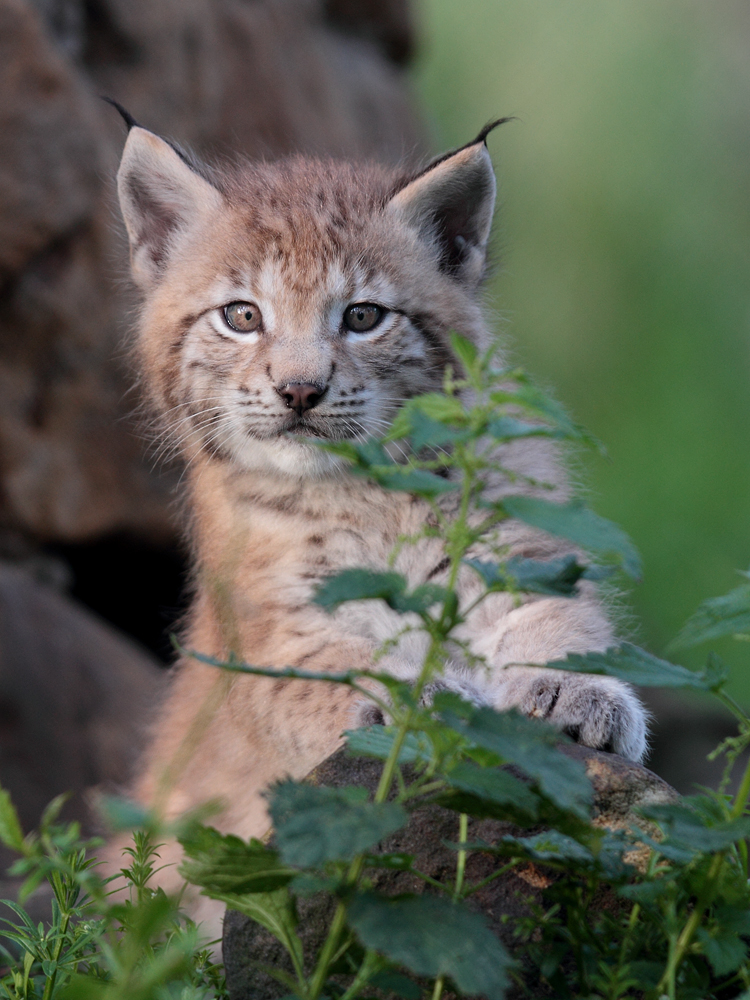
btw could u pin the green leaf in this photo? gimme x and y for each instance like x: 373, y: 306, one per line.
x: 694, y: 832
x: 370, y: 459
x: 365, y: 584
x: 492, y: 784
x: 557, y: 577
x: 376, y: 741
x: 317, y: 824
x: 603, y: 855
x: 532, y: 398
x: 431, y: 936
x: 227, y: 864
x: 11, y: 833
x: 359, y: 585
x: 466, y: 352
x: 440, y: 407
x: 630, y: 663
x: 398, y: 983
x: 272, y: 910
x: 420, y: 481
x: 579, y: 525
x: 716, y: 618
x: 423, y: 432
x: 529, y: 743
x: 508, y: 428
x: 723, y: 949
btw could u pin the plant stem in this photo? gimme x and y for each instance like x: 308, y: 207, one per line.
x: 686, y: 935
x: 438, y: 990
x: 49, y: 986
x: 429, y: 667
x: 743, y: 792
x: 463, y: 826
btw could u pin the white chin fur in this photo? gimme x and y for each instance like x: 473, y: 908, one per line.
x: 287, y: 455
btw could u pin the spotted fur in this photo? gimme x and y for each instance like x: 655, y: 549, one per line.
x: 271, y: 514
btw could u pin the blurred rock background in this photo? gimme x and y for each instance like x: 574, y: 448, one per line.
x: 91, y: 569
x: 623, y: 251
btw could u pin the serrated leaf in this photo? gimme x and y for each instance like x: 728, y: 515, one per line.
x: 440, y: 407
x: 579, y: 525
x: 370, y: 459
x: 724, y: 950
x: 431, y: 936
x: 419, y: 481
x: 557, y: 577
x: 690, y: 831
x: 226, y: 864
x: 716, y: 618
x: 508, y: 428
x: 633, y: 664
x: 398, y: 983
x: 551, y: 845
x: 365, y: 584
x: 11, y: 833
x: 466, y: 352
x: 494, y: 785
x: 529, y: 396
x: 318, y: 824
x: 359, y: 585
x: 376, y: 741
x: 272, y: 910
x: 423, y: 432
x: 529, y: 743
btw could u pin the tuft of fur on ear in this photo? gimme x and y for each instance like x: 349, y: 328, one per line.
x: 451, y: 204
x: 161, y: 198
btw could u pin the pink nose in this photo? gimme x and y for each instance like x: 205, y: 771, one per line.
x: 301, y: 396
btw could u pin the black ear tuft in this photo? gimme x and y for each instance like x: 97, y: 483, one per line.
x: 491, y: 126
x: 126, y: 116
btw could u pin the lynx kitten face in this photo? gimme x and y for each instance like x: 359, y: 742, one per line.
x: 301, y: 300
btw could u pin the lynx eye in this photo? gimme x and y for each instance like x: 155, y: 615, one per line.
x: 363, y: 316
x: 242, y: 317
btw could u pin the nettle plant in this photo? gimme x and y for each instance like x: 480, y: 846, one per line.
x: 680, y: 920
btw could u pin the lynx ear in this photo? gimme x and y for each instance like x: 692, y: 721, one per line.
x: 451, y: 203
x: 161, y: 197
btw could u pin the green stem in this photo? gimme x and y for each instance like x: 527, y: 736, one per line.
x: 463, y: 826
x: 430, y: 665
x: 743, y: 792
x: 355, y: 870
x: 490, y: 878
x: 367, y: 968
x: 438, y: 990
x: 677, y: 953
x: 50, y: 984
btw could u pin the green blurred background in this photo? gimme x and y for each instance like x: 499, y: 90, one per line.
x: 622, y: 235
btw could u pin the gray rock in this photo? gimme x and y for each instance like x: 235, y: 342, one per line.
x: 75, y: 697
x: 619, y: 786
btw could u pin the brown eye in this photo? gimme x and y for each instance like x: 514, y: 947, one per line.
x: 243, y: 317
x: 363, y: 316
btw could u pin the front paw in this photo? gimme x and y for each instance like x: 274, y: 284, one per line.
x: 600, y: 712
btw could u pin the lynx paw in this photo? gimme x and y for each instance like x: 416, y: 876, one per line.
x: 600, y: 712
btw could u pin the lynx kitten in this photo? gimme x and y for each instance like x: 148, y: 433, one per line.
x: 308, y: 299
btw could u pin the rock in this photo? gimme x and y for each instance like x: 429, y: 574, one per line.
x: 619, y: 786
x: 263, y: 78
x: 75, y: 697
